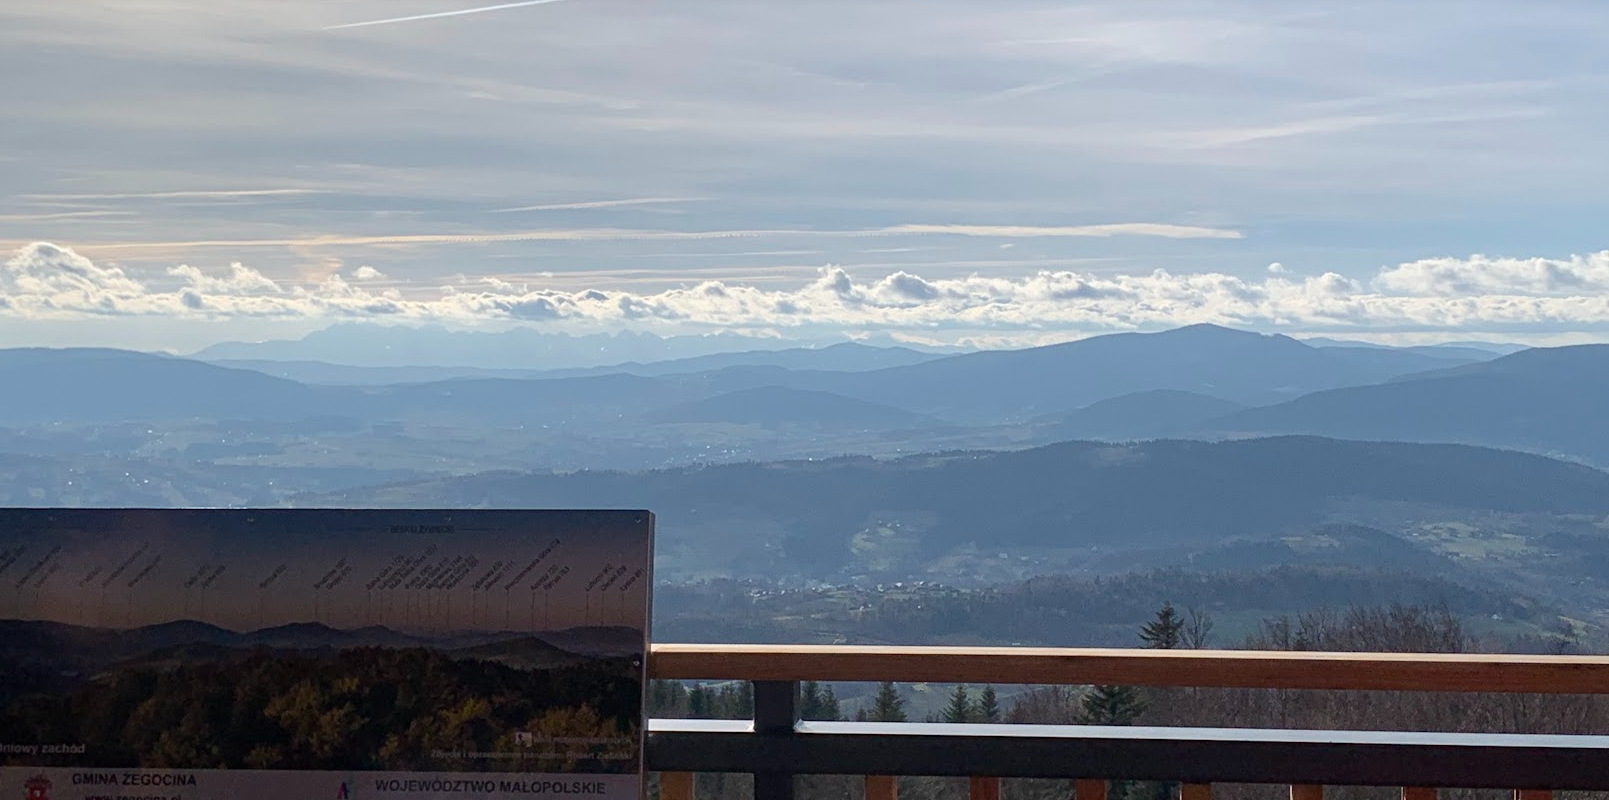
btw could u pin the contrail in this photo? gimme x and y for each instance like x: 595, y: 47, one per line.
x: 639, y: 201
x: 440, y: 14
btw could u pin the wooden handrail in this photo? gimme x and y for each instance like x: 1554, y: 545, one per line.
x: 1439, y: 672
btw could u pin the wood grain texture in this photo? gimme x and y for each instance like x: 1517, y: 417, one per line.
x: 1418, y: 793
x: 882, y: 787
x: 1195, y: 791
x: 676, y: 786
x: 985, y: 788
x: 1532, y: 794
x: 1437, y: 672
x: 1089, y: 790
x: 1306, y: 792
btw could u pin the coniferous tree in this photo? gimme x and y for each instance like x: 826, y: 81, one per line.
x: 829, y: 705
x: 699, y: 703
x: 960, y: 708
x: 811, y: 703
x: 988, y: 706
x: 1166, y: 632
x: 887, y: 706
x: 1111, y: 705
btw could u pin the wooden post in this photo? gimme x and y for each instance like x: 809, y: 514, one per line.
x: 676, y: 786
x: 881, y: 787
x: 989, y: 789
x: 1089, y: 790
x: 1533, y: 794
x: 1306, y: 792
x: 1418, y: 793
x: 1195, y: 791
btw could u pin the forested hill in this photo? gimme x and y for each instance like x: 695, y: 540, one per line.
x: 817, y: 517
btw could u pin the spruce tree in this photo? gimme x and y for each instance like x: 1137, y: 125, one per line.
x: 888, y: 706
x: 810, y: 701
x: 829, y: 705
x: 1111, y: 705
x: 960, y: 708
x: 699, y: 703
x: 988, y: 706
x: 1166, y: 632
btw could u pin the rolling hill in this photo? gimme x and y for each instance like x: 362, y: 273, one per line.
x: 998, y: 386
x: 1546, y: 400
x: 1082, y: 500
x: 843, y: 357
x: 978, y: 389
x: 778, y: 405
x: 71, y: 385
x: 1142, y: 415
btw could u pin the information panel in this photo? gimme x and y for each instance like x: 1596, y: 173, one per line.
x: 315, y: 654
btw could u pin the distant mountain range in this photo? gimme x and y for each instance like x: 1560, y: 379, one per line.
x: 1201, y: 448
x: 63, y: 645
x: 984, y: 387
x: 1200, y: 382
x: 522, y: 349
x: 1545, y: 400
x: 75, y: 385
x: 1013, y: 385
x: 843, y: 357
x: 1475, y: 350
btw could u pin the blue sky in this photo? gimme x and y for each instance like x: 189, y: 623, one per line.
x: 1001, y: 173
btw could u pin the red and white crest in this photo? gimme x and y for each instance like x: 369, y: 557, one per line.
x: 38, y: 788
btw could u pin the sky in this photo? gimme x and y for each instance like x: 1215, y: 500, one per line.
x: 182, y: 172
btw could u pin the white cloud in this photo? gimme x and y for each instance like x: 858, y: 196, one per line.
x: 56, y: 277
x: 1478, y: 275
x: 367, y: 273
x: 44, y: 281
x: 240, y: 280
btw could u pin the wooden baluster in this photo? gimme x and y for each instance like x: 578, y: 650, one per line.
x: 1089, y: 790
x: 989, y: 789
x: 676, y: 786
x: 1195, y: 791
x: 881, y: 787
x: 1418, y: 793
x: 1306, y: 792
x: 1533, y: 794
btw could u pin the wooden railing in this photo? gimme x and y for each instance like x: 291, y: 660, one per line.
x: 776, y: 746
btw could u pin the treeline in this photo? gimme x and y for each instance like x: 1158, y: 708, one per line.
x: 1065, y: 611
x: 733, y: 700
x: 1059, y: 611
x: 1410, y: 628
x: 363, y: 708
